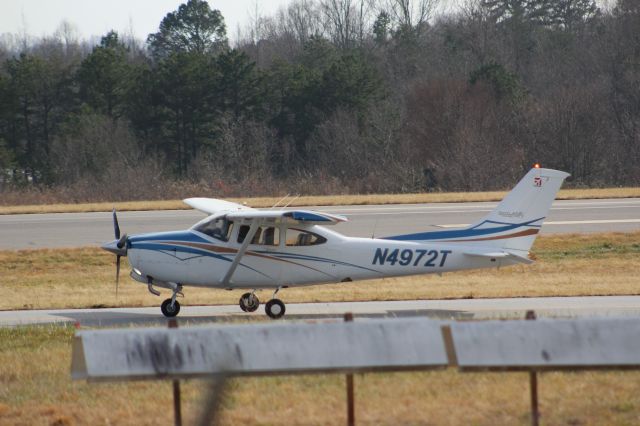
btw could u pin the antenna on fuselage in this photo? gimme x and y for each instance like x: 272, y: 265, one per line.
x: 291, y: 201
x: 280, y: 200
x: 375, y: 225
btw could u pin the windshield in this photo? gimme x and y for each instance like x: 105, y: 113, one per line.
x: 219, y: 228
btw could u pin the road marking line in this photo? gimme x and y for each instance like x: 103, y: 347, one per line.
x: 559, y: 222
x: 591, y: 222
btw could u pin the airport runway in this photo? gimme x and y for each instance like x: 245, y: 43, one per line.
x: 462, y: 309
x: 93, y: 229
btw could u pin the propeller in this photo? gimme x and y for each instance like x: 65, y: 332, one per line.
x: 118, y: 247
x: 116, y: 227
x: 117, y: 274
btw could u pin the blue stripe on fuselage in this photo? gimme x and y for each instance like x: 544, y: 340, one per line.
x: 463, y: 233
x: 178, y: 248
x: 186, y: 236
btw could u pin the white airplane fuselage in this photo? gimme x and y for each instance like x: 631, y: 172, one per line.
x: 192, y: 258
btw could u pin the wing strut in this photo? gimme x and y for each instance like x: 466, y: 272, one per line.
x: 240, y: 254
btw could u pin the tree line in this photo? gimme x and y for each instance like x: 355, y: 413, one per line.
x: 327, y: 96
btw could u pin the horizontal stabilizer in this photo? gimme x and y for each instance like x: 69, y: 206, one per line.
x: 500, y: 255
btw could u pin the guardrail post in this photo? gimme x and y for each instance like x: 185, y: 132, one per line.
x: 177, y: 410
x: 533, y: 384
x: 351, y: 415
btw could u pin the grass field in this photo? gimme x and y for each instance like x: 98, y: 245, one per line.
x: 568, y: 265
x: 36, y: 389
x: 329, y: 200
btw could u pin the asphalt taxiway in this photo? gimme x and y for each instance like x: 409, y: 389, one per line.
x: 460, y: 309
x: 93, y: 229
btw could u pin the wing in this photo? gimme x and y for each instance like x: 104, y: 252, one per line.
x: 213, y: 205
x: 293, y: 217
x: 238, y: 211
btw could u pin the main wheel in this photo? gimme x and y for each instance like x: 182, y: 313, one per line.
x: 249, y: 302
x: 274, y: 308
x: 168, y: 310
x: 243, y: 301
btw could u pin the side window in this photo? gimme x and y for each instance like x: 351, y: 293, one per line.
x: 297, y: 237
x: 218, y: 228
x: 270, y: 236
x: 242, y: 233
x: 265, y: 235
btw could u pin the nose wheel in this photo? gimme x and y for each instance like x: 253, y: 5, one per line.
x: 274, y: 308
x: 249, y: 302
x: 170, y: 308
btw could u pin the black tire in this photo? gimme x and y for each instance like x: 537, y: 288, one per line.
x: 249, y: 302
x: 254, y: 303
x: 243, y: 302
x: 169, y: 311
x: 274, y: 308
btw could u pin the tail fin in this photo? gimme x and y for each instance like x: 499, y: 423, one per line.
x: 522, y: 211
x: 514, y: 223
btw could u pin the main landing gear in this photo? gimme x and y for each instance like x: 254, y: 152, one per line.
x: 249, y: 302
x: 274, y: 308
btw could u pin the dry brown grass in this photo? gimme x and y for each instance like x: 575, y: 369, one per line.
x: 36, y: 389
x: 35, y: 385
x: 321, y: 200
x: 595, y: 264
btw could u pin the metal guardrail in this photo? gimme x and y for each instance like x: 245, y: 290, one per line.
x: 285, y: 348
x: 547, y: 344
x: 362, y: 346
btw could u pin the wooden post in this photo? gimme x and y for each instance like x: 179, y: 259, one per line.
x: 535, y: 413
x: 177, y: 410
x: 533, y: 384
x: 351, y: 415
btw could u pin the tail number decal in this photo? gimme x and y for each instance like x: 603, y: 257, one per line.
x: 408, y: 257
x: 538, y: 181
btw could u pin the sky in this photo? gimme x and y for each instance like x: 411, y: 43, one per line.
x: 96, y: 17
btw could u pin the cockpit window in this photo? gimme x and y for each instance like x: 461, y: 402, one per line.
x: 298, y: 237
x: 219, y: 228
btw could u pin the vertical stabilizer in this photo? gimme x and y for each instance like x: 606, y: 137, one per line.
x: 522, y: 211
x: 514, y: 224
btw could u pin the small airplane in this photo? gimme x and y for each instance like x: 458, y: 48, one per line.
x: 239, y: 247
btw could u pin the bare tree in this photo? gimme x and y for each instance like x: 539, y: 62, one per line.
x: 339, y: 15
x: 411, y: 15
x: 347, y: 20
x: 302, y: 19
x: 67, y: 33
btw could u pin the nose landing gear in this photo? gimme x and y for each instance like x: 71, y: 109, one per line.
x: 171, y: 307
